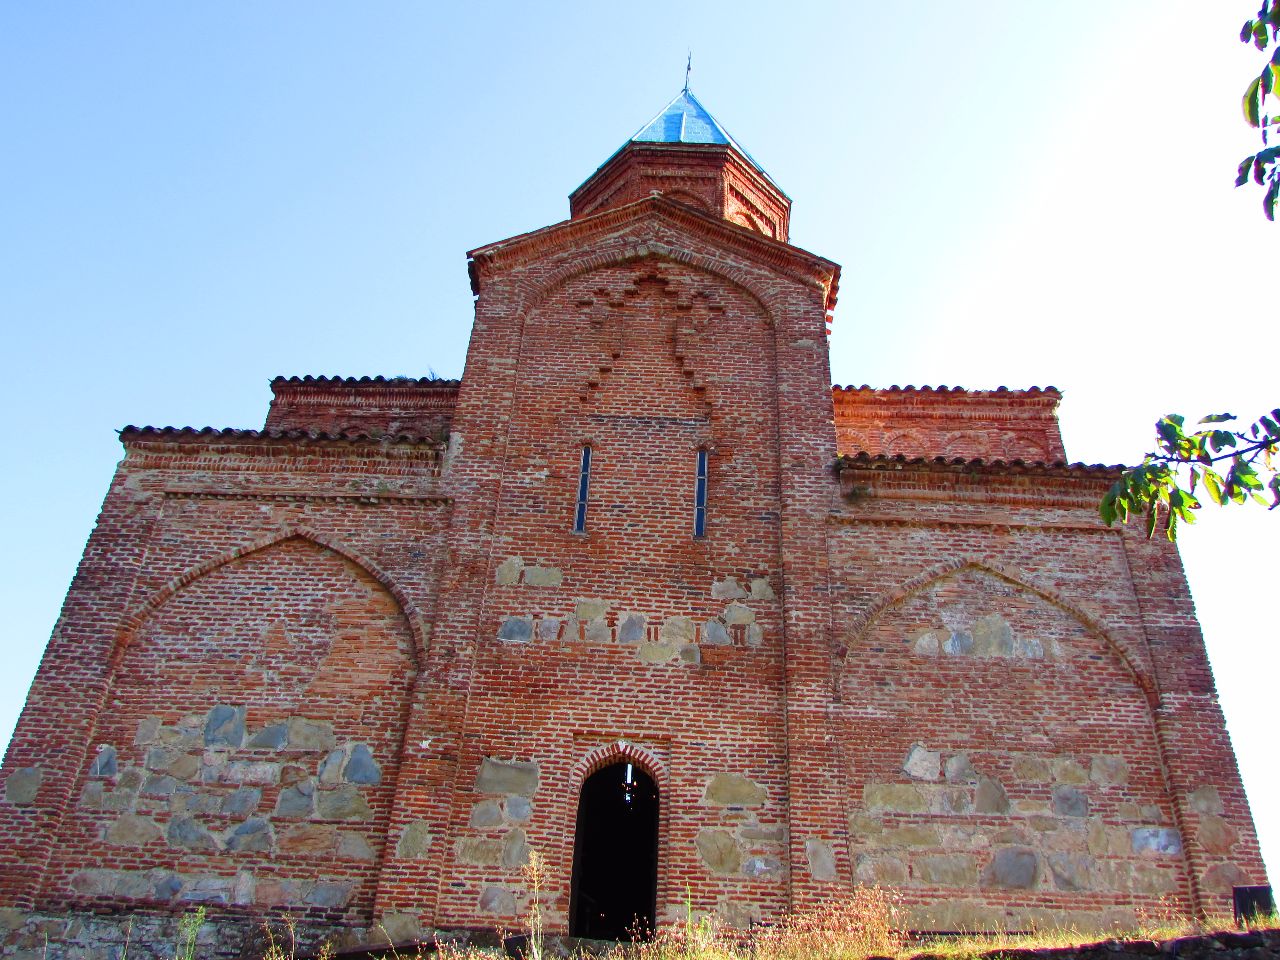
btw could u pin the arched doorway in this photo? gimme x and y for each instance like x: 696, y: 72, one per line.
x: 615, y: 855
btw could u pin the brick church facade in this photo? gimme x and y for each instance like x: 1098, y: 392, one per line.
x: 642, y: 590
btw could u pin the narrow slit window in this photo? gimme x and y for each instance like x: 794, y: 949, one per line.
x: 700, y: 497
x: 584, y: 482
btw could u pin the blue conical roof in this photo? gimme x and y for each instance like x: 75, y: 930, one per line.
x: 685, y: 120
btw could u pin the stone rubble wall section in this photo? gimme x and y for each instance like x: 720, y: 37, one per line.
x: 246, y: 705
x: 1004, y: 712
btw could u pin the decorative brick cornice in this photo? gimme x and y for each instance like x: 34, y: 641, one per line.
x: 149, y: 437
x: 959, y: 465
x: 536, y: 245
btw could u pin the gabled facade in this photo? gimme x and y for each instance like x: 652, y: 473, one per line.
x: 641, y: 593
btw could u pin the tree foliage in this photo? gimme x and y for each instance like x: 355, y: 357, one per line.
x: 1263, y: 167
x: 1226, y: 465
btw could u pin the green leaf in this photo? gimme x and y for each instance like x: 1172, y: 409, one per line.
x: 1269, y: 201
x: 1107, y: 508
x: 1272, y: 428
x: 1242, y: 177
x: 1218, y: 418
x: 1246, y: 32
x: 1151, y: 521
x: 1221, y: 439
x: 1213, y: 484
x: 1252, y: 105
x: 1265, y: 79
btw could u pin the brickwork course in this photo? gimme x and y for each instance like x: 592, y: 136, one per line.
x: 355, y: 666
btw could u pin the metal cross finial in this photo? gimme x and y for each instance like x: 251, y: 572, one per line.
x: 688, y: 68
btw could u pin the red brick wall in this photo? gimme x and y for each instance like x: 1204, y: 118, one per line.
x: 285, y: 583
x: 400, y: 406
x: 646, y: 360
x: 950, y: 678
x: 992, y: 616
x: 971, y: 424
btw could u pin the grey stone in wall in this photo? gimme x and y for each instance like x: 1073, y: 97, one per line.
x: 330, y: 772
x: 719, y: 851
x: 507, y: 776
x: 343, y: 803
x: 762, y: 868
x: 598, y: 631
x: 1205, y: 799
x: 330, y: 893
x: 515, y: 849
x: 252, y: 836
x: 104, y: 764
x: 296, y: 801
x: 959, y: 769
x: 518, y: 808
x: 508, y: 571
x: 272, y: 737
x: 715, y: 632
x: 480, y: 852
x: 224, y: 726
x: 516, y: 630
x: 189, y: 834
x: 543, y: 577
x: 304, y: 734
x: 497, y: 901
x: 486, y: 813
x: 1162, y: 841
x: 590, y: 609
x: 241, y: 801
x: 822, y: 859
x: 676, y: 630
x: 990, y: 797
x: 734, y: 790
x: 162, y: 786
x: 1013, y: 868
x: 354, y: 846
x: 21, y: 786
x: 1215, y: 835
x: 946, y: 870
x: 148, y: 730
x: 361, y: 767
x: 1069, y: 801
x: 922, y: 763
x: 728, y: 589
x: 131, y: 830
x: 1071, y: 871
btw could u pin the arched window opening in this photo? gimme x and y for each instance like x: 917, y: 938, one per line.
x: 614, y: 893
x: 700, y: 496
x: 584, y: 484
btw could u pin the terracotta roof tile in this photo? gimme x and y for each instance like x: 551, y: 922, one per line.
x: 898, y: 461
x: 233, y: 435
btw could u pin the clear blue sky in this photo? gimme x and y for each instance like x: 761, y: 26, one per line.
x: 197, y: 197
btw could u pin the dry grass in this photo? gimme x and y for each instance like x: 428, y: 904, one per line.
x: 868, y: 923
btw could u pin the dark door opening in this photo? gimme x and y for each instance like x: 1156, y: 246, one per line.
x: 615, y: 856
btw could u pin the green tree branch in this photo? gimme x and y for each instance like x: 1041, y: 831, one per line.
x: 1162, y: 488
x: 1263, y: 167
